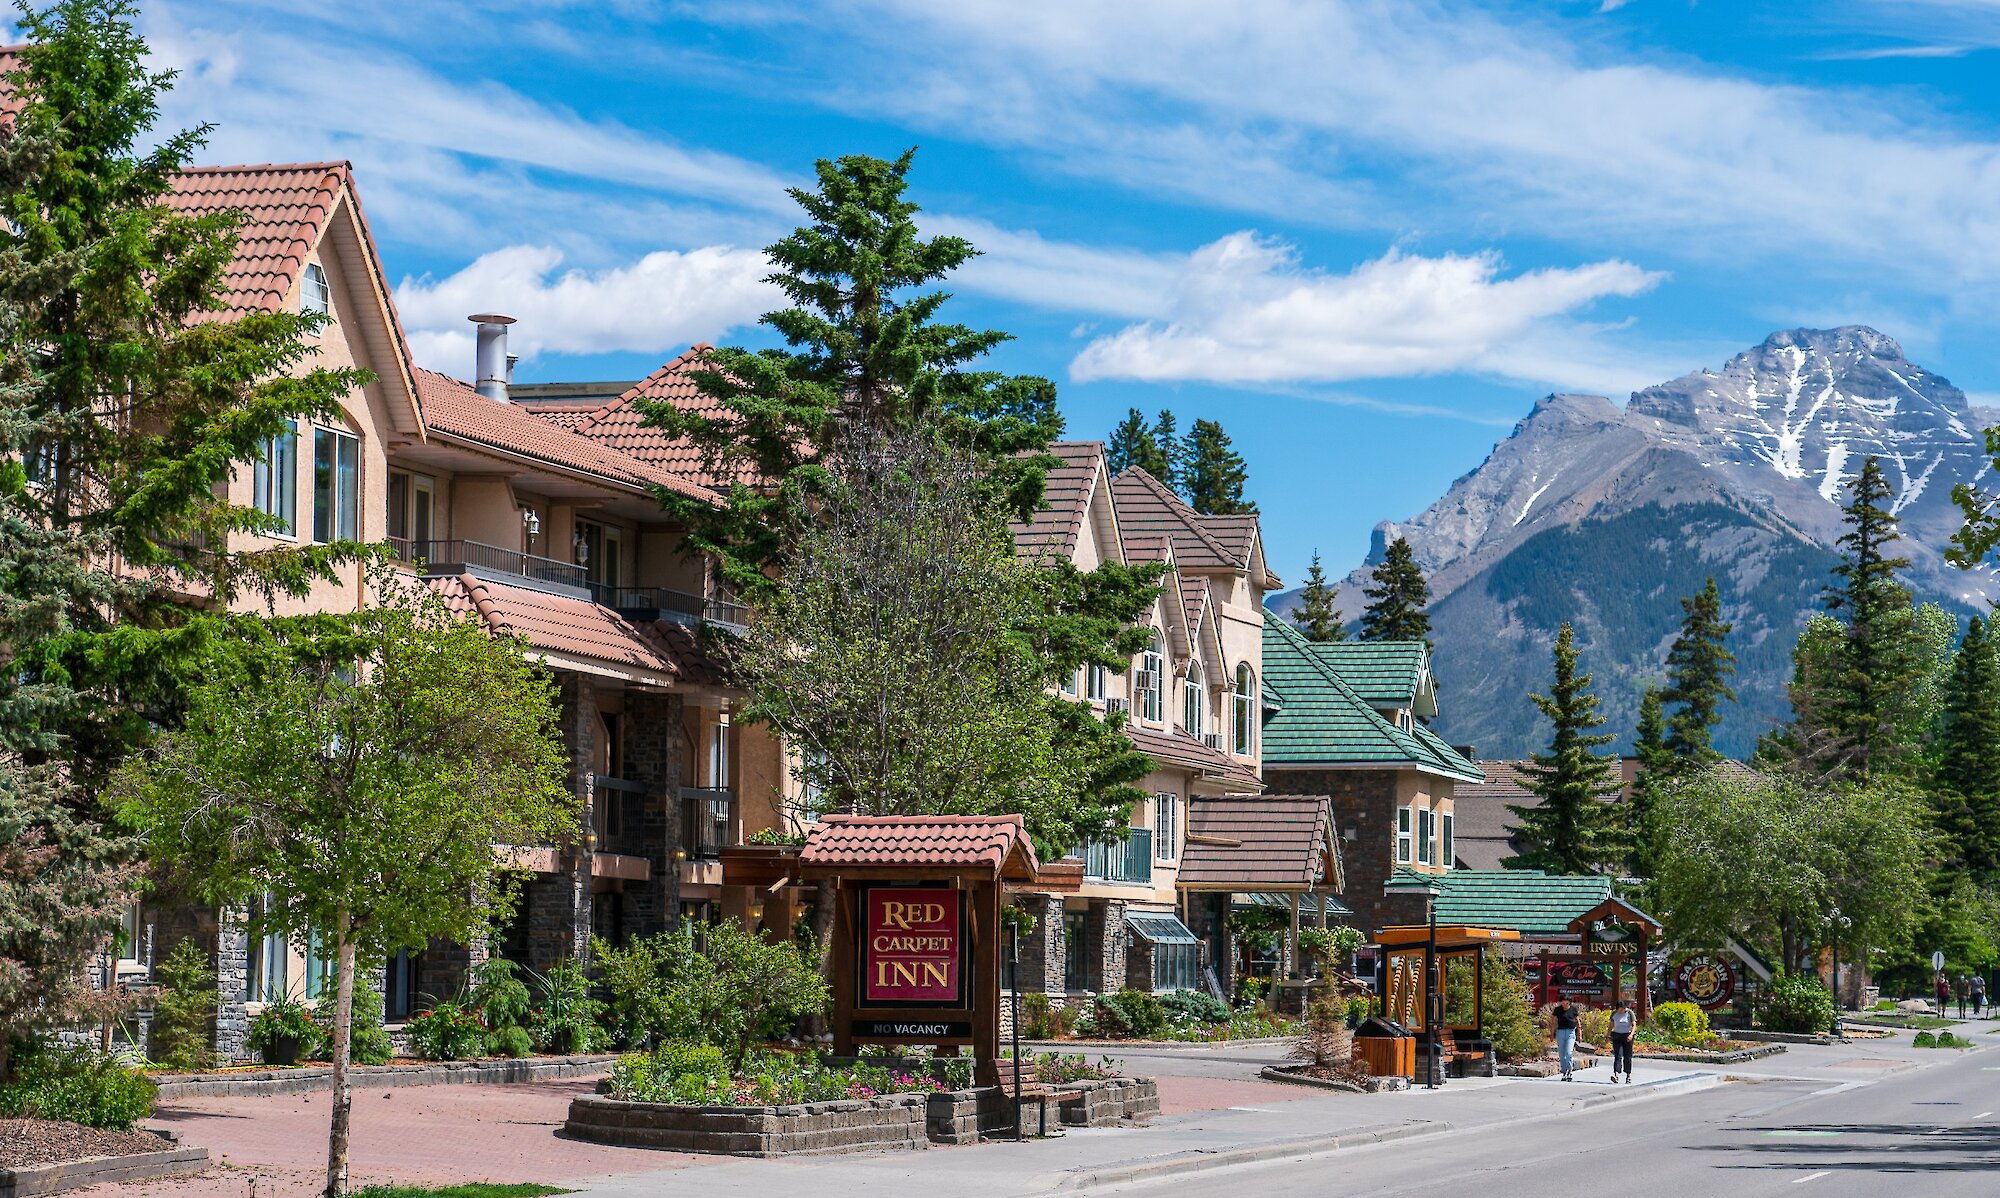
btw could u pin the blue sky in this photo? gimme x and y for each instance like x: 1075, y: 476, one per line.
x: 1363, y: 236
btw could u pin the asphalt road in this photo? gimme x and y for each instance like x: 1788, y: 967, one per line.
x: 1931, y: 1132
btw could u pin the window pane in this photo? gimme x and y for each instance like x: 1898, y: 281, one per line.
x: 288, y: 480
x: 323, y: 471
x: 420, y: 515
x: 399, y: 505
x: 350, y: 486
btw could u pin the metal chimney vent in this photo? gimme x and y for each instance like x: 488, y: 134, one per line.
x: 490, y: 361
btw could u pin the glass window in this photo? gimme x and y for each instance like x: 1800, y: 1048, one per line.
x: 314, y: 297
x: 319, y: 968
x: 1152, y: 687
x: 1449, y: 855
x: 1069, y: 683
x: 336, y: 486
x: 1425, y: 830
x: 600, y: 551
x: 1094, y: 681
x: 1174, y: 967
x: 1166, y: 825
x: 1243, y: 711
x: 412, y: 504
x: 1403, y: 835
x: 1075, y: 976
x: 128, y: 933
x: 1192, y: 700
x: 274, y: 479
x: 718, y: 752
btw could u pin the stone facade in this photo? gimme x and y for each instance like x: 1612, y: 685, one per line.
x: 1364, y: 803
x: 1042, y: 950
x: 1105, y: 938
x: 651, y: 823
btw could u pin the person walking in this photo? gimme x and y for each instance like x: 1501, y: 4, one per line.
x: 1941, y: 986
x: 1978, y: 993
x: 1624, y: 1022
x: 1963, y: 989
x: 1564, y: 1016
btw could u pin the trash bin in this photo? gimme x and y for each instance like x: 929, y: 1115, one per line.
x: 1385, y: 1048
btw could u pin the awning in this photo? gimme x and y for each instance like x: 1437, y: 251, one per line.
x: 1160, y: 927
x: 1334, y: 907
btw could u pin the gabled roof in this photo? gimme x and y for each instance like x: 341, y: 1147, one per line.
x: 453, y: 409
x: 621, y: 426
x: 1147, y: 508
x: 1178, y: 749
x: 1321, y: 721
x: 575, y: 630
x: 1526, y: 900
x: 1271, y: 842
x: 995, y: 845
x: 1058, y: 526
x: 1384, y: 673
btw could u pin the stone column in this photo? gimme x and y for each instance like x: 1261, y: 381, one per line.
x: 1105, y: 938
x: 232, y: 980
x: 1041, y: 967
x: 652, y: 819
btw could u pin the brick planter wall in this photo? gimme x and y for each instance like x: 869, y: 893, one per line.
x: 892, y: 1123
x: 313, y: 1078
x: 1109, y: 1102
x: 170, y: 1161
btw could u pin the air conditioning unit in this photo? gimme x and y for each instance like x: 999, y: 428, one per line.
x: 1124, y: 705
x: 1212, y: 739
x: 1144, y: 680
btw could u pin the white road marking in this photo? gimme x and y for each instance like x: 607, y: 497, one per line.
x: 1984, y: 1115
x: 1255, y: 1110
x: 1810, y: 1177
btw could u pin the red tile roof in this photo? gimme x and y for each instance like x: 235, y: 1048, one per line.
x: 988, y: 843
x: 453, y: 408
x: 285, y: 213
x: 620, y: 424
x: 687, y: 651
x: 1055, y: 529
x: 553, y: 623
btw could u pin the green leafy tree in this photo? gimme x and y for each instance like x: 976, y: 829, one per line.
x: 1573, y: 830
x: 1397, y: 596
x: 1133, y: 444
x: 1656, y: 770
x: 1316, y: 617
x: 1968, y: 774
x: 1769, y: 858
x: 1699, y: 666
x: 360, y: 784
x: 1213, y: 474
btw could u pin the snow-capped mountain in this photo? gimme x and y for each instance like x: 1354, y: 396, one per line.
x: 1606, y: 515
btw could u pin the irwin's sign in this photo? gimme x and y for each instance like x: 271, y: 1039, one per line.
x: 912, y: 948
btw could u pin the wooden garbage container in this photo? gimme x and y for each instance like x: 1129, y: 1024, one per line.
x: 1385, y: 1049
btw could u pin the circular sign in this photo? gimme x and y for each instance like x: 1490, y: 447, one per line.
x: 1707, y: 982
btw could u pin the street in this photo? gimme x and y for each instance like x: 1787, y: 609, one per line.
x: 1940, y: 1123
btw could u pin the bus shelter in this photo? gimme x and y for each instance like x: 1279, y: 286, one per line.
x: 1446, y: 1000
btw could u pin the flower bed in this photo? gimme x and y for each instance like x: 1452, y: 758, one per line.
x: 44, y: 1156
x: 699, y: 1075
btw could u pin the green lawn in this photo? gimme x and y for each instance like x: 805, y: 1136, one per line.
x: 1917, y: 1022
x: 471, y: 1189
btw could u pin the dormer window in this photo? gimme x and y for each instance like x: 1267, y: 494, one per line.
x: 315, y: 299
x: 1152, y: 688
x: 1243, y: 713
x: 1192, y: 700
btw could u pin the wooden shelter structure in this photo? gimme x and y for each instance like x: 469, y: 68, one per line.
x: 1614, y: 932
x: 1401, y: 956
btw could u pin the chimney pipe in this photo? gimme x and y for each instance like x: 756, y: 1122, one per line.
x: 490, y: 362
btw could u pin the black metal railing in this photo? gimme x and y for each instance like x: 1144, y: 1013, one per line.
x: 454, y: 555
x: 610, y: 800
x: 708, y: 818
x: 1129, y: 859
x: 665, y: 603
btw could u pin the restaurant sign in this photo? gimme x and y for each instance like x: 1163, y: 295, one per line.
x: 1708, y: 982
x: 913, y: 947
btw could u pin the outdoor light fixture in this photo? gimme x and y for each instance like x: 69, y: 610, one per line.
x: 1414, y: 884
x: 533, y: 523
x: 582, y: 549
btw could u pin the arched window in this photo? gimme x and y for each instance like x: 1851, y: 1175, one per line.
x: 314, y: 298
x: 1152, y: 686
x: 1243, y: 711
x: 1192, y: 700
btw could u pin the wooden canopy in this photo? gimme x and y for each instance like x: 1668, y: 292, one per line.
x: 1450, y: 937
x: 1615, y: 910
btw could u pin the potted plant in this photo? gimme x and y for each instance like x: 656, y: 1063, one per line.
x: 282, y: 1030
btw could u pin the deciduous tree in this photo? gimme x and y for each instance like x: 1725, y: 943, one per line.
x: 360, y: 784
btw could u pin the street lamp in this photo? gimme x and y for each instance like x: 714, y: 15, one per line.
x: 1840, y: 925
x: 1415, y: 884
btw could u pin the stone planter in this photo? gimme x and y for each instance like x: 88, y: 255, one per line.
x: 243, y: 1083
x: 171, y: 1161
x: 1107, y: 1102
x: 891, y: 1123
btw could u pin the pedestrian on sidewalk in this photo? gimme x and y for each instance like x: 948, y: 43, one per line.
x: 1941, y: 986
x: 1978, y: 993
x: 1963, y: 989
x: 1565, y: 1020
x: 1624, y: 1022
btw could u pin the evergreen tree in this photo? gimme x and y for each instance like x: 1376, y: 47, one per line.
x: 1573, y: 831
x: 1316, y: 616
x: 1397, y: 595
x: 1881, y: 664
x: 1213, y: 473
x: 1699, y: 666
x: 1968, y: 774
x: 1657, y: 766
x: 1132, y: 444
x: 1172, y: 453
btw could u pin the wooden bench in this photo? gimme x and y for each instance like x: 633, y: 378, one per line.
x: 1041, y: 1096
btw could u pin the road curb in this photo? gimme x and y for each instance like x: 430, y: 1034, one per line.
x: 1179, y: 1163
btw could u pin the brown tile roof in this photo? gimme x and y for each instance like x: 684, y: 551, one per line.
x: 687, y: 651
x: 1179, y: 749
x: 1195, y: 595
x: 1271, y: 842
x: 995, y: 843
x: 553, y: 623
x: 1146, y: 507
x: 285, y: 213
x: 1057, y: 527
x: 566, y: 416
x: 452, y: 407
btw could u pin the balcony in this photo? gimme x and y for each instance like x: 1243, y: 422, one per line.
x: 661, y: 603
x: 1127, y: 860
x: 708, y: 822
x: 461, y: 556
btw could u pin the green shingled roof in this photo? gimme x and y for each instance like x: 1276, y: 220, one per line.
x: 1526, y: 900
x: 1321, y: 720
x: 1383, y: 673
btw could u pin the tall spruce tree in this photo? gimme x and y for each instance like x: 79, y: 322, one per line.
x: 1699, y: 666
x: 1316, y: 617
x: 1968, y: 775
x: 1574, y: 830
x: 1132, y: 444
x: 1166, y: 434
x: 1657, y: 767
x: 1881, y: 663
x: 1213, y: 474
x: 1397, y: 596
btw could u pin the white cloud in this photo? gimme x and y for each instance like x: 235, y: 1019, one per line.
x: 1245, y: 311
x: 663, y: 302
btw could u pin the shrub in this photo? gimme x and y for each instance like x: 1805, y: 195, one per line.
x: 368, y: 1042
x: 183, y: 1034
x: 500, y: 998
x: 1250, y: 991
x: 729, y: 990
x: 1593, y: 1026
x: 76, y: 1085
x: 283, y: 1018
x: 1139, y: 1011
x: 1947, y: 1040
x: 775, y: 836
x: 1361, y: 1006
x: 1324, y: 1040
x: 509, y: 1042
x: 1924, y: 1040
x: 1192, y: 1006
x: 1055, y: 1069
x: 1797, y: 1002
x: 565, y: 1016
x: 447, y: 1032
x: 1683, y: 1022
x: 1506, y: 1013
